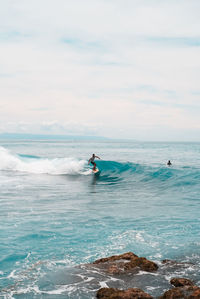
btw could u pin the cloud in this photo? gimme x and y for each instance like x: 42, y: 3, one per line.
x: 49, y: 128
x: 114, y: 68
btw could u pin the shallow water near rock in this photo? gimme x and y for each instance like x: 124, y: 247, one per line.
x: 56, y: 216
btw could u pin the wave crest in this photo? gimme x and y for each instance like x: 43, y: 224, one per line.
x: 56, y: 166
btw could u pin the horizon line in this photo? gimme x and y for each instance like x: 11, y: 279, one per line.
x: 62, y: 137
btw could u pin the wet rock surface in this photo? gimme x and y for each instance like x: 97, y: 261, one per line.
x: 111, y: 293
x: 184, y: 288
x: 137, y: 277
x: 180, y: 282
x: 124, y: 263
x: 186, y: 292
x: 172, y: 263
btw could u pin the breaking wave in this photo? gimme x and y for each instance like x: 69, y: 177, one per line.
x: 111, y: 171
x: 148, y: 174
x: 37, y: 165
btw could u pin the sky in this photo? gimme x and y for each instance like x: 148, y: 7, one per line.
x: 113, y: 68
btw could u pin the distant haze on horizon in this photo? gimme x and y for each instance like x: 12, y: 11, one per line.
x: 120, y: 69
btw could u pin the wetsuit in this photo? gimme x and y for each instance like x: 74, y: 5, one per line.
x: 91, y: 160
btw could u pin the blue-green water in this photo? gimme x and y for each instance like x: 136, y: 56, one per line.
x: 56, y: 216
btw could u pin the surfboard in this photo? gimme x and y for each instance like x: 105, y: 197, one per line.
x: 95, y: 171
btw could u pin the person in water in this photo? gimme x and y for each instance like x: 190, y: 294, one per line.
x: 91, y: 160
x: 169, y: 163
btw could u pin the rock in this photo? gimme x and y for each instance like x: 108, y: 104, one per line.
x: 172, y: 294
x: 184, y: 289
x: 126, y: 262
x: 180, y: 282
x: 175, y: 263
x: 113, y: 269
x: 167, y: 261
x: 127, y: 256
x: 186, y: 292
x: 111, y: 293
x: 195, y: 294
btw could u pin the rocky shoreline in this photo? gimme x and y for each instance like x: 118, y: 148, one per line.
x: 129, y: 264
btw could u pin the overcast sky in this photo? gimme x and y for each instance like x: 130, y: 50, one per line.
x: 114, y: 68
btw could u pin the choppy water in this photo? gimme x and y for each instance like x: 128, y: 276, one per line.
x: 55, y: 215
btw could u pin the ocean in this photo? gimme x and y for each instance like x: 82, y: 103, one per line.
x: 56, y: 216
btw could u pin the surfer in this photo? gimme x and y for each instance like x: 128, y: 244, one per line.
x: 91, y: 160
x: 169, y: 163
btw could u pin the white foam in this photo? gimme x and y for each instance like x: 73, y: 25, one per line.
x: 141, y: 272
x: 88, y: 279
x: 58, y: 291
x: 115, y: 279
x: 36, y: 290
x: 8, y: 296
x: 149, y: 288
x: 103, y: 284
x: 158, y: 255
x: 12, y: 275
x: 56, y: 166
x: 139, y: 237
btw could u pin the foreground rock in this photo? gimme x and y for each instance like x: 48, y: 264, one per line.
x: 180, y: 282
x: 175, y: 264
x: 186, y: 292
x: 111, y: 293
x: 129, y: 263
x: 124, y: 263
x: 184, y: 288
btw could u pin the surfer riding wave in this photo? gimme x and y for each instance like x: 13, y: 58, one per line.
x: 91, y: 160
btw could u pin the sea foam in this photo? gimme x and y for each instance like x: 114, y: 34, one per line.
x: 57, y: 166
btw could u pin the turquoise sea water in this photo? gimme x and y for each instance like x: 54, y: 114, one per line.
x: 56, y: 216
